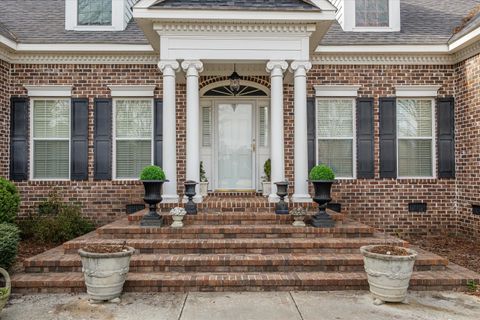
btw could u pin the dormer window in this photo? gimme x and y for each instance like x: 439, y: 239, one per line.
x: 94, y: 12
x: 97, y: 15
x: 372, y: 13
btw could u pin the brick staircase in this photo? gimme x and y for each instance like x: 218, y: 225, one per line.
x: 235, y: 251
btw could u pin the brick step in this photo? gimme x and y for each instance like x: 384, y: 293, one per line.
x: 235, y: 246
x: 233, y: 218
x: 123, y: 230
x: 452, y: 278
x: 55, y: 261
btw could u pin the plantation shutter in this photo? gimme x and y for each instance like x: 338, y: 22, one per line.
x: 388, y: 136
x: 263, y: 124
x: 19, y: 139
x: 446, y: 138
x: 79, y: 144
x: 365, y: 139
x: 103, y: 139
x: 158, y: 133
x: 311, y: 128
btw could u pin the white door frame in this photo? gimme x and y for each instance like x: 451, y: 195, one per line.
x: 213, y: 102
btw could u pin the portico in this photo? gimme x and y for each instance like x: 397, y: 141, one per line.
x: 281, y: 45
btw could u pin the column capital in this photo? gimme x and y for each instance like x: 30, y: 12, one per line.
x: 277, y: 67
x: 164, y: 65
x: 300, y: 66
x: 192, y: 65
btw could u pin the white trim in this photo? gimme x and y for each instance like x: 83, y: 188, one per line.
x: 333, y: 91
x: 417, y: 91
x: 49, y: 91
x: 114, y: 137
x: 378, y: 49
x: 222, y: 83
x: 465, y: 40
x: 132, y: 91
x: 32, y: 139
x: 432, y: 138
x: 354, y: 134
x: 87, y: 47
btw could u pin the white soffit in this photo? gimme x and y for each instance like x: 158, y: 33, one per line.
x: 416, y: 91
x: 49, y: 91
x: 336, y: 91
x: 132, y: 91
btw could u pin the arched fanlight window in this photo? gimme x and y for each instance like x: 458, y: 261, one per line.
x: 244, y: 91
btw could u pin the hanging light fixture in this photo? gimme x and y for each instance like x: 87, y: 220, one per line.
x: 234, y: 81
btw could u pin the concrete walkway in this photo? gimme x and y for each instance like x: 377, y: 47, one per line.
x: 243, y: 306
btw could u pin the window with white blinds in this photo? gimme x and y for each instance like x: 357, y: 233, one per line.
x: 415, y: 131
x: 207, y: 126
x: 264, y: 125
x: 51, y: 139
x: 335, y: 135
x: 133, y: 136
x: 372, y: 13
x: 94, y: 12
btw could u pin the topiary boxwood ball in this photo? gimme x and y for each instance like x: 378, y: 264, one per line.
x: 152, y: 173
x: 322, y: 172
x: 9, y: 201
x: 9, y: 238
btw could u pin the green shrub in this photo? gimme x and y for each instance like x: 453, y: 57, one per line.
x: 203, y: 174
x: 322, y: 172
x: 152, y: 173
x: 267, y: 169
x: 9, y: 239
x: 9, y: 201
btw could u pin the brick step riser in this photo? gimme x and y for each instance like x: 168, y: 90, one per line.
x: 249, y: 287
x: 233, y: 235
x: 250, y: 268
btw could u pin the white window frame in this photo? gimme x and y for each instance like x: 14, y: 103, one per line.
x: 350, y: 21
x: 346, y: 96
x: 114, y: 135
x: 44, y: 97
x: 118, y: 17
x: 433, y: 138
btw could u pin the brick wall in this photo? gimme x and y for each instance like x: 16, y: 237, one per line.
x: 468, y: 144
x: 378, y: 202
x: 383, y: 203
x: 4, y: 118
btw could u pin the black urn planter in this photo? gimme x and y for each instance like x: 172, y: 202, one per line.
x: 282, y: 191
x: 153, y: 196
x: 190, y: 206
x: 322, y: 197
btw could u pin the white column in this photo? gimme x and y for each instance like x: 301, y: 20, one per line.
x: 192, y: 69
x: 277, y: 154
x: 300, y: 69
x: 169, y: 68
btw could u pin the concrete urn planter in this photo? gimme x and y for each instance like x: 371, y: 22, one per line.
x: 266, y: 188
x: 177, y: 216
x: 105, y: 273
x: 5, y: 292
x: 298, y: 215
x: 388, y: 275
x: 204, y: 188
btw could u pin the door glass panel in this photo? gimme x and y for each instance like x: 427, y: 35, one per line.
x: 235, y: 146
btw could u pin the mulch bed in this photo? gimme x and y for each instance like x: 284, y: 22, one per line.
x: 459, y: 250
x: 390, y: 250
x: 28, y: 249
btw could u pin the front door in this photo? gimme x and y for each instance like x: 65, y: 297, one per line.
x: 235, y: 146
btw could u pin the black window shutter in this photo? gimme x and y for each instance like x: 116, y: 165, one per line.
x: 311, y: 125
x: 158, y: 133
x: 19, y: 139
x: 388, y: 138
x: 79, y: 161
x: 446, y: 137
x: 365, y: 139
x: 103, y: 139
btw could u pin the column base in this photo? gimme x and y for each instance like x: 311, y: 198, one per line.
x: 301, y: 198
x: 170, y: 198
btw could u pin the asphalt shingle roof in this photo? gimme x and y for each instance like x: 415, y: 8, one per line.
x: 422, y: 21
x: 6, y: 33
x: 43, y: 21
x: 237, y: 4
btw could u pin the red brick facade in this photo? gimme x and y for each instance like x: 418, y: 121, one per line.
x: 4, y: 118
x: 468, y: 145
x: 378, y: 202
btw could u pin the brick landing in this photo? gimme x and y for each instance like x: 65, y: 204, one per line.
x: 235, y: 252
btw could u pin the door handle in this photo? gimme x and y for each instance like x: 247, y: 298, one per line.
x: 254, y: 147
